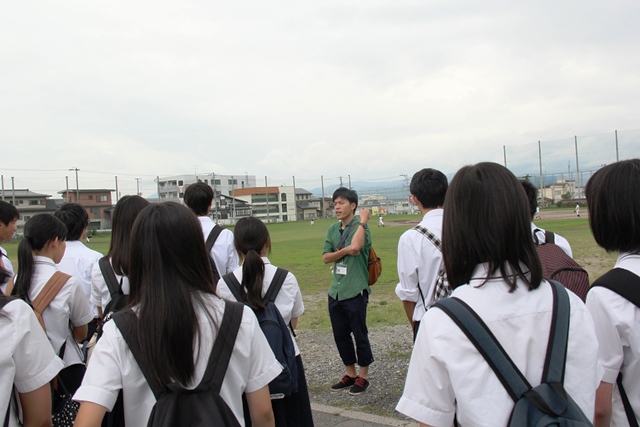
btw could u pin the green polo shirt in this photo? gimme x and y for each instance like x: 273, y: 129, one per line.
x: 357, y: 278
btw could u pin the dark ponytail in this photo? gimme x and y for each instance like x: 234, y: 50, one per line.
x: 38, y: 231
x: 250, y: 237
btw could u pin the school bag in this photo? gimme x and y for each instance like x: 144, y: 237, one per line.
x: 374, y: 266
x: 199, y: 407
x: 276, y: 332
x: 211, y: 240
x: 547, y: 404
x: 557, y: 265
x: 442, y: 289
x: 627, y: 285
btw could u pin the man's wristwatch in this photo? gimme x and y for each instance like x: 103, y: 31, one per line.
x: 365, y: 226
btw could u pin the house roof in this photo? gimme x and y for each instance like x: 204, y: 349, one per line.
x: 302, y: 191
x: 8, y: 193
x: 304, y: 204
x: 255, y: 190
x: 99, y: 190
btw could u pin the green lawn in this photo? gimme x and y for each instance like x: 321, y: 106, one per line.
x: 297, y: 246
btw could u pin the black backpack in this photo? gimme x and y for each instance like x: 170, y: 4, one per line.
x: 627, y: 285
x: 202, y: 406
x: 547, y: 404
x: 277, y: 333
x: 557, y: 265
x: 211, y: 240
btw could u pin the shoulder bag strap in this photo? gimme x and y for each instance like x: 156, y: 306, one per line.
x: 213, y: 236
x: 555, y: 361
x: 486, y: 343
x: 223, y: 347
x: 441, y: 290
x: 48, y: 293
x: 549, y: 237
x: 234, y: 286
x: 124, y: 321
x: 275, y: 285
x: 109, y: 276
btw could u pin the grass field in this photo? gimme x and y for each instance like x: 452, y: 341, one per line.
x: 297, y: 246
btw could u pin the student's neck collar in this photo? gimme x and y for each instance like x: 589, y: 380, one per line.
x: 425, y: 211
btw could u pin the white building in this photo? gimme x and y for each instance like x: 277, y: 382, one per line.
x: 171, y: 188
x: 270, y: 204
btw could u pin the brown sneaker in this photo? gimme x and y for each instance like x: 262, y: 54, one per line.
x: 345, y: 382
x: 360, y: 386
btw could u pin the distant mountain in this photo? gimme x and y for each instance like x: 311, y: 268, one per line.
x: 389, y: 189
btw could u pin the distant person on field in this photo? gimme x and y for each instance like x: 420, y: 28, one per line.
x: 613, y: 198
x: 380, y: 222
x: 577, y: 209
x: 539, y: 233
x: 312, y: 222
x: 8, y: 217
x: 537, y: 215
x: 199, y: 198
x: 420, y: 264
x: 78, y: 260
x: 347, y: 247
x: 493, y: 266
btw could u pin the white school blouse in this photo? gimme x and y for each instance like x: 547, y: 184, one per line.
x: 7, y: 266
x: 618, y: 329
x: 445, y: 366
x: 419, y: 263
x: 288, y: 301
x: 559, y: 240
x: 78, y: 261
x: 223, y: 251
x: 26, y: 356
x: 100, y: 295
x: 112, y: 368
x: 70, y: 305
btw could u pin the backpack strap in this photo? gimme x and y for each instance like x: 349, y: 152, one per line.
x: 442, y: 290
x: 627, y: 285
x: 223, y: 347
x: 276, y: 284
x: 555, y: 360
x: 486, y: 343
x: 48, y: 293
x: 220, y: 353
x: 109, y: 277
x: 211, y: 240
x: 234, y: 286
x: 549, y: 237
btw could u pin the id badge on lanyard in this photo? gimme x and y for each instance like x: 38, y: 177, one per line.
x: 341, y: 268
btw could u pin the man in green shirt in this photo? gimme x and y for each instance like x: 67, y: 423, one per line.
x: 347, y: 247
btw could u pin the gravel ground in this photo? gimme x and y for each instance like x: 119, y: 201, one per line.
x: 391, y: 346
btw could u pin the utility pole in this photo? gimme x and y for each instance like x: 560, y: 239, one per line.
x: 215, y: 203
x: 349, y: 182
x: 541, y: 177
x: 266, y: 194
x: 77, y: 185
x: 578, y: 180
x: 117, y: 192
x: 295, y: 203
x: 137, y: 186
x: 322, y: 201
x: 233, y: 201
x: 2, y: 176
x: 617, y: 156
x: 158, y: 187
x: 504, y: 151
x: 13, y: 191
x: 66, y: 195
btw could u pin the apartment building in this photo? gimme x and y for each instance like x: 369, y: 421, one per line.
x: 270, y: 204
x: 97, y: 202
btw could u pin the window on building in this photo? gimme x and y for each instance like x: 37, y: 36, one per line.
x: 216, y: 182
x: 90, y: 196
x: 283, y: 197
x: 181, y: 195
x: 206, y: 181
x: 34, y: 202
x: 285, y: 218
x: 284, y: 207
x: 103, y: 198
x: 20, y: 202
x: 180, y: 183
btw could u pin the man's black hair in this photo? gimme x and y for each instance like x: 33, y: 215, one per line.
x: 429, y: 186
x: 532, y: 195
x: 346, y: 193
x: 613, y: 198
x: 8, y: 212
x: 75, y: 218
x: 198, y: 197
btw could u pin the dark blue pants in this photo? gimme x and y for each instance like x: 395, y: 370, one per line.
x: 350, y: 317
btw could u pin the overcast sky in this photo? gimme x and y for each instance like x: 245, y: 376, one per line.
x: 371, y: 89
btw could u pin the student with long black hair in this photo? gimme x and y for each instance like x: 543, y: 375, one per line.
x: 27, y: 362
x: 613, y: 198
x: 252, y: 241
x: 492, y: 265
x: 177, y: 317
x: 124, y: 215
x: 68, y: 314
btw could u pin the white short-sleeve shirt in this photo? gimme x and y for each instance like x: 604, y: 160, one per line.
x: 113, y: 367
x: 445, y: 366
x: 559, y: 240
x: 26, y: 356
x: 288, y: 301
x: 223, y: 251
x: 419, y: 263
x: 78, y: 261
x: 618, y: 329
x: 100, y: 295
x: 6, y: 262
x: 69, y: 305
